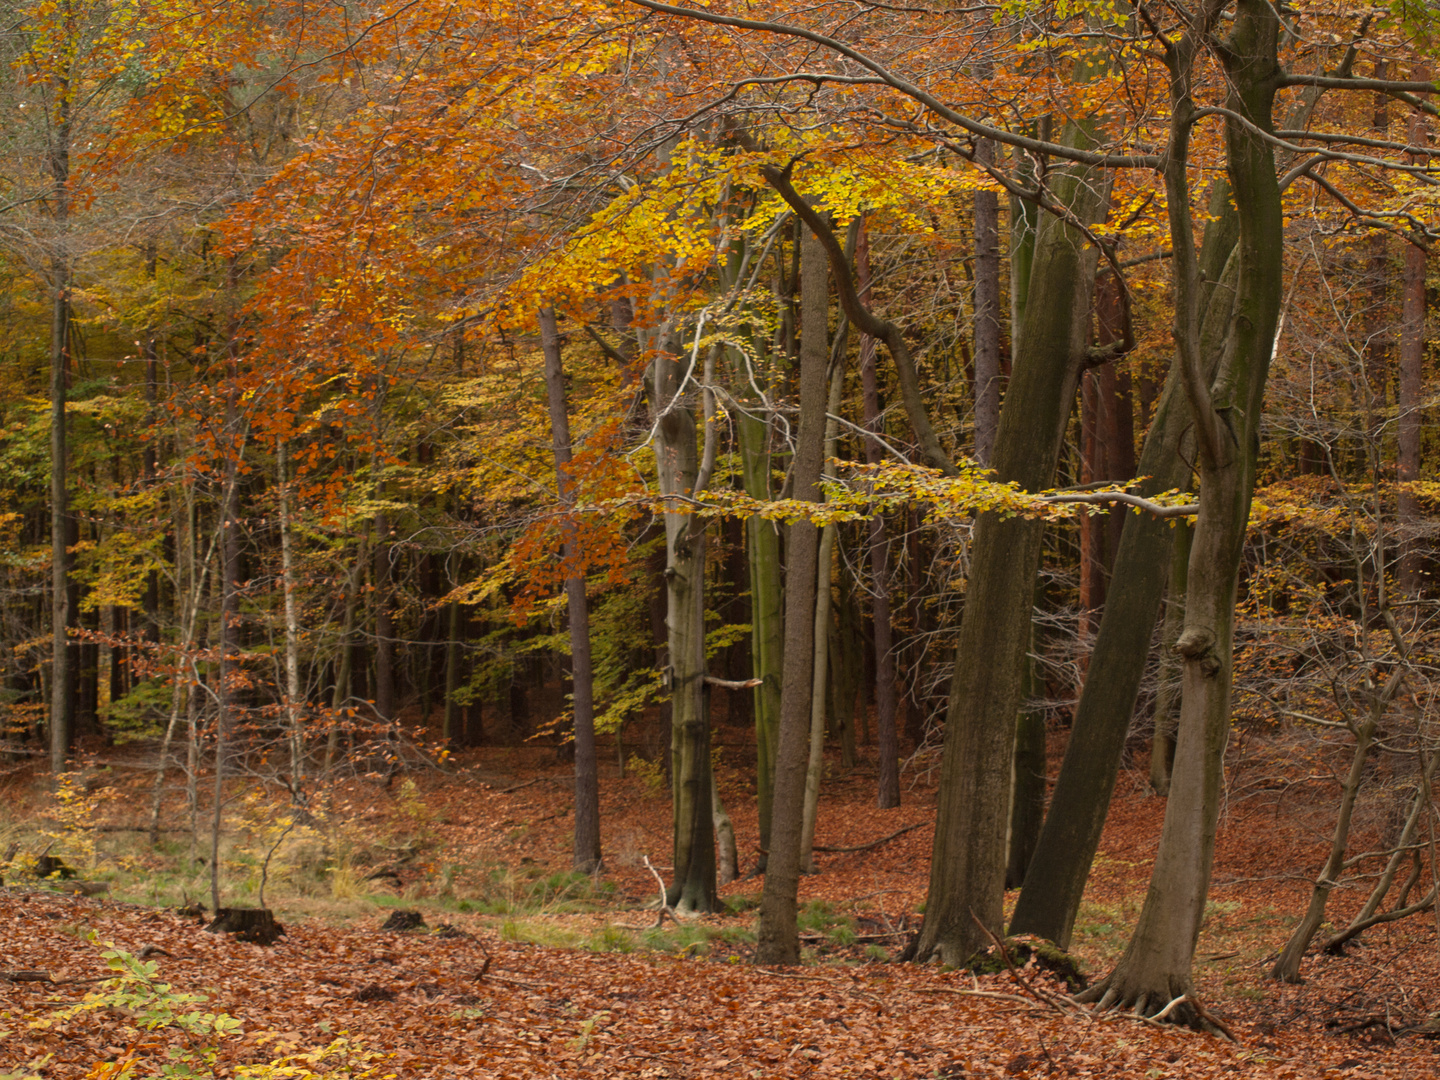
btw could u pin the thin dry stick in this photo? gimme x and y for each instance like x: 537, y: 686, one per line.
x: 1058, y: 1002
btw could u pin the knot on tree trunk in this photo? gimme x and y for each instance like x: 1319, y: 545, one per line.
x: 1198, y: 644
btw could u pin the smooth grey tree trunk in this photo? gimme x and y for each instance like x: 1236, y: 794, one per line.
x: 967, y: 872
x: 587, y: 784
x: 987, y: 314
x: 1055, y: 879
x: 779, y: 937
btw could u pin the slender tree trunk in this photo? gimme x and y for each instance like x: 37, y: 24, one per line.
x: 1410, y: 398
x: 987, y: 313
x: 384, y: 622
x: 292, y: 626
x: 454, y: 656
x: 63, y: 663
x: 587, y: 783
x: 344, y: 666
x: 1287, y: 965
x: 728, y: 867
x: 967, y: 870
x: 767, y: 617
x: 820, y: 676
x: 779, y: 938
x: 887, y: 794
x: 693, y: 887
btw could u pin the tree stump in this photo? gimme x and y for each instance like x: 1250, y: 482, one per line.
x: 255, y: 925
x: 404, y: 920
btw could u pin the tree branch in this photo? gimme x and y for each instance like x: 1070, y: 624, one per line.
x: 866, y: 320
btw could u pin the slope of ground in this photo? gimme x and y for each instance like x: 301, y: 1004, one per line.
x: 488, y: 998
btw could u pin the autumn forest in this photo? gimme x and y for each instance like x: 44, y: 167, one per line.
x: 967, y: 418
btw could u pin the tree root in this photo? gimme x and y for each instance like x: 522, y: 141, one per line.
x: 1156, y: 1009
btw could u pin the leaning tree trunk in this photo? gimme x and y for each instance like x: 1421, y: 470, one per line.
x: 779, y: 939
x: 587, y: 783
x: 1070, y: 836
x: 1156, y: 966
x: 967, y: 870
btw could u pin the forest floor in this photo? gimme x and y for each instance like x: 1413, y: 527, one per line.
x: 524, y: 970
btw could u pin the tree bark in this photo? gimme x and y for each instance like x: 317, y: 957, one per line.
x: 967, y: 872
x: 779, y: 937
x: 1167, y: 694
x: 63, y: 680
x: 1156, y: 966
x: 292, y: 625
x: 987, y: 313
x: 1409, y: 400
x: 693, y: 887
x: 887, y: 795
x: 1056, y: 877
x: 767, y: 616
x: 587, y: 783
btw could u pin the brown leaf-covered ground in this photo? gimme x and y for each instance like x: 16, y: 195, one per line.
x: 477, y: 1000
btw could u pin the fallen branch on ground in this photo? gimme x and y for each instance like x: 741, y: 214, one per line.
x: 871, y: 844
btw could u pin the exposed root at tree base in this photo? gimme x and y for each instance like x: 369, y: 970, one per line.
x: 1183, y: 1010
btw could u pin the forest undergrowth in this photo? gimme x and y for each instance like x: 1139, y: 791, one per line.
x: 522, y: 969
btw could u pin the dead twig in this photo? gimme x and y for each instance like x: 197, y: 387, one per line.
x: 1057, y: 1002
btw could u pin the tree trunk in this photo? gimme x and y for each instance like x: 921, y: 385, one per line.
x: 1027, y: 800
x: 987, y: 313
x: 292, y: 626
x: 887, y: 794
x: 1167, y: 694
x: 1056, y: 878
x: 967, y: 871
x: 454, y: 657
x: 1287, y: 965
x: 767, y: 617
x: 693, y: 887
x: 1410, y: 399
x: 779, y: 937
x: 1156, y: 966
x: 587, y: 783
x: 820, y: 676
x: 384, y: 621
x: 63, y: 663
